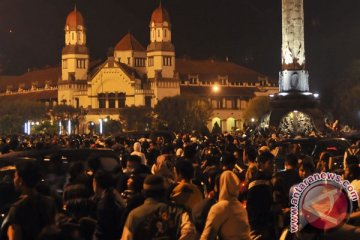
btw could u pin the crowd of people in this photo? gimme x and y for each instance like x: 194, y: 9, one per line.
x: 195, y: 187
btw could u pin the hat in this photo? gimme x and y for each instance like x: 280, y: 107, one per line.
x: 154, y: 182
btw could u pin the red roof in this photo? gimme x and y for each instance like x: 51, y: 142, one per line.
x: 129, y: 42
x: 209, y: 70
x: 160, y: 15
x: 75, y: 19
x: 26, y: 80
x: 38, y: 95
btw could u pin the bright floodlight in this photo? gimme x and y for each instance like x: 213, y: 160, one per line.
x: 316, y: 95
x: 100, y: 126
x: 216, y: 88
x: 69, y: 127
x: 60, y: 128
x: 253, y: 120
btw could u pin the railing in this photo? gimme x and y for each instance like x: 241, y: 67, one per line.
x: 103, y: 111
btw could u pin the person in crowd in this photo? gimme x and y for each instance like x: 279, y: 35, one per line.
x: 137, y: 152
x: 185, y: 193
x: 227, y: 218
x: 201, y: 209
x: 77, y: 192
x: 110, y: 207
x: 285, y: 179
x: 33, y: 211
x: 252, y: 170
x: 323, y: 164
x: 164, y: 167
x: 260, y: 199
x: 306, y: 168
x: 151, y: 154
x: 151, y: 219
x: 354, y: 151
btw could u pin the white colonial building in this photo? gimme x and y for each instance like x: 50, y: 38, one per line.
x: 135, y: 75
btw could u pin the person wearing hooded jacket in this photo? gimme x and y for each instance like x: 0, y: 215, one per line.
x: 137, y: 152
x: 227, y: 219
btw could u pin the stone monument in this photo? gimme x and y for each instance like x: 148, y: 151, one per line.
x: 294, y: 110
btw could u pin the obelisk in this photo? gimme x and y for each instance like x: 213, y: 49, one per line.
x: 293, y: 76
x: 294, y: 110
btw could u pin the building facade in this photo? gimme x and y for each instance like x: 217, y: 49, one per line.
x: 139, y: 76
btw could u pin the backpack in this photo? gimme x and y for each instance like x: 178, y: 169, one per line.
x: 162, y: 224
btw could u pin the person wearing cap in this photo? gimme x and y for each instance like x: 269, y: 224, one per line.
x: 154, y: 192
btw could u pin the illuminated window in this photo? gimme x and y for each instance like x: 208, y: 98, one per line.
x: 64, y: 64
x: 167, y: 61
x: 150, y: 61
x: 80, y: 63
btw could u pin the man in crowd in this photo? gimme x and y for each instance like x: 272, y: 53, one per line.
x: 152, y: 218
x: 33, y: 211
x: 260, y: 199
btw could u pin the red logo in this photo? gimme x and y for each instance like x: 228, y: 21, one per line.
x: 325, y: 206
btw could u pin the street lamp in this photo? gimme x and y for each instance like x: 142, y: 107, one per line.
x: 252, y: 120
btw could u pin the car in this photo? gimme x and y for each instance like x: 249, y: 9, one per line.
x: 335, y: 146
x: 54, y: 163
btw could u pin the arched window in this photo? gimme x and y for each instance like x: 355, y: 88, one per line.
x: 122, y: 100
x: 111, y: 98
x: 102, y: 100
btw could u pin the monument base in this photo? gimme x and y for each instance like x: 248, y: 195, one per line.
x: 296, y: 113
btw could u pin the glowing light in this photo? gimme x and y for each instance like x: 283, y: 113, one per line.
x: 25, y: 128
x: 283, y: 94
x: 60, y: 128
x: 253, y: 120
x: 271, y: 95
x: 29, y: 128
x: 316, y: 95
x: 295, y: 111
x: 306, y: 93
x: 216, y: 88
x: 100, y: 126
x: 69, y: 127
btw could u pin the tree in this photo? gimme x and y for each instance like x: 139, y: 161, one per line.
x: 136, y: 118
x: 257, y: 107
x: 184, y: 113
x: 14, y: 114
x: 64, y: 113
x: 346, y: 100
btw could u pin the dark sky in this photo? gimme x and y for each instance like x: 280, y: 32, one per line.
x: 246, y: 31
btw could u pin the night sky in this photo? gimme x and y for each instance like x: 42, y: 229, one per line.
x: 248, y: 32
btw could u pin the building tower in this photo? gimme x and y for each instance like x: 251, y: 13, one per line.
x: 161, y: 56
x: 75, y: 61
x: 294, y: 110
